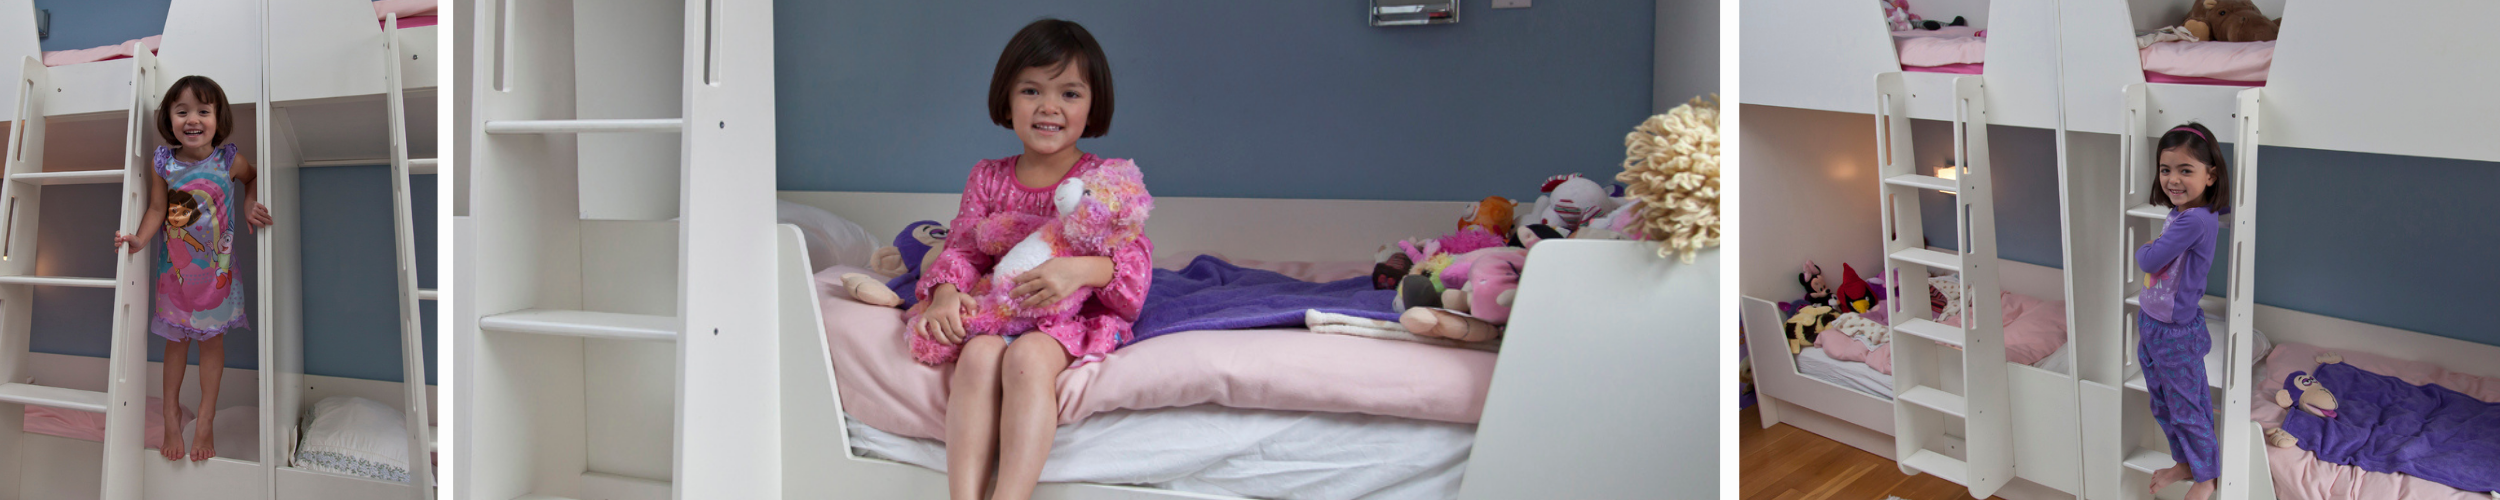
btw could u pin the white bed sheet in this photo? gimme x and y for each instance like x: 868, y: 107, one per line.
x: 1859, y: 376
x: 1229, y: 451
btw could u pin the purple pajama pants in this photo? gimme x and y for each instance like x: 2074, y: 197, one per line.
x: 2173, y: 357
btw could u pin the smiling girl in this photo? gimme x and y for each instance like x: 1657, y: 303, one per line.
x: 2173, y: 340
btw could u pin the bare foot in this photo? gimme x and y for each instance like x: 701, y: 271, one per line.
x: 2163, y: 478
x: 205, y: 446
x: 172, y: 447
x: 2201, y: 491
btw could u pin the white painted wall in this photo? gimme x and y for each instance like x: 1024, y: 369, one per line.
x: 1809, y: 194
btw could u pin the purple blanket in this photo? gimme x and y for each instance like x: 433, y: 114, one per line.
x: 1211, y: 294
x: 2383, y: 424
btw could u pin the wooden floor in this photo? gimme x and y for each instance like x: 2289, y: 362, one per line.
x: 1784, y: 463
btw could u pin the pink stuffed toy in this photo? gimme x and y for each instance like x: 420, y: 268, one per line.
x: 1099, y: 211
x: 1480, y: 288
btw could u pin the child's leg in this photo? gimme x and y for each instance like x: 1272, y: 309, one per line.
x: 212, y: 368
x: 972, y: 417
x: 1030, y: 419
x: 177, y: 360
x: 2173, y: 357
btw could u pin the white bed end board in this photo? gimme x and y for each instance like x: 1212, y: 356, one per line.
x: 1241, y: 228
x: 1824, y: 55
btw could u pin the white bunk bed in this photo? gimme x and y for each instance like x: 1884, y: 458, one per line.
x: 2328, y: 89
x: 1824, y: 54
x: 1529, y: 442
x: 613, y: 337
x: 333, y: 52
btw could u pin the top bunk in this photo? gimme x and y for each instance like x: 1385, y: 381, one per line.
x: 1824, y: 55
x: 2420, y: 91
x: 326, y: 50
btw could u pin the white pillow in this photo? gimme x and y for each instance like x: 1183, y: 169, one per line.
x: 357, y: 437
x: 831, y: 240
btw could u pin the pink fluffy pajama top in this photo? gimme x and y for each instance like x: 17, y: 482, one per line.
x: 1103, y: 323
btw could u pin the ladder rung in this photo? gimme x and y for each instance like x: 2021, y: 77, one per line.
x: 38, y: 395
x: 1928, y: 182
x: 2149, y: 211
x: 428, y: 294
x: 2209, y: 303
x: 1929, y: 258
x: 57, y: 281
x: 1943, y: 467
x: 421, y: 166
x: 1932, y: 398
x: 591, y: 324
x: 584, y: 126
x: 2146, y: 460
x: 540, y: 497
x: 1932, y: 331
x: 107, y: 176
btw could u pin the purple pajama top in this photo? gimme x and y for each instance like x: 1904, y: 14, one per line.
x: 2178, y: 262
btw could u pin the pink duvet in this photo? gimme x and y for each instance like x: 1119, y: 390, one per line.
x: 2298, y: 475
x: 2231, y: 63
x: 2034, y: 329
x: 1953, y: 45
x: 87, y: 425
x: 1262, y: 369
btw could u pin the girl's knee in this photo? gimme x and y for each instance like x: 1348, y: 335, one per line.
x: 1036, y: 354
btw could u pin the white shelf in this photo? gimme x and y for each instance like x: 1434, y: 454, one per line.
x: 1943, y: 467
x: 647, y: 125
x: 57, y: 281
x: 602, y: 325
x: 1929, y: 258
x: 1928, y: 182
x: 2147, y: 461
x: 107, y: 176
x: 55, y: 397
x: 1931, y: 330
x: 2149, y: 211
x: 1932, y: 398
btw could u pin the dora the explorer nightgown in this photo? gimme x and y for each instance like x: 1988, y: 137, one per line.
x: 196, y: 296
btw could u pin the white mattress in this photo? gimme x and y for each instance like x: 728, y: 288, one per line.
x: 1861, y: 377
x: 1238, y: 452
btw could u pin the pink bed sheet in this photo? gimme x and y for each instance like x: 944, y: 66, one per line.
x: 2299, y: 475
x: 2034, y: 329
x: 1953, y: 45
x: 87, y: 425
x: 1276, y: 369
x: 412, y: 13
x: 2211, y: 63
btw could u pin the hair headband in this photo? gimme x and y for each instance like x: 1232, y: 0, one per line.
x: 2192, y: 130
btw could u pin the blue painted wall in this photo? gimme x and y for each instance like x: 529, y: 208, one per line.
x: 349, y: 317
x: 1229, y: 99
x: 79, y: 24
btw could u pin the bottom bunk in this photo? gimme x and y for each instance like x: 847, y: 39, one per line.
x: 2301, y: 474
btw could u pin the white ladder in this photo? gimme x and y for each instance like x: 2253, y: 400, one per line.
x: 2228, y: 367
x: 124, y: 398
x: 411, y: 322
x: 1921, y: 402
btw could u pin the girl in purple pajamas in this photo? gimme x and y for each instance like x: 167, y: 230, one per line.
x: 2174, y: 342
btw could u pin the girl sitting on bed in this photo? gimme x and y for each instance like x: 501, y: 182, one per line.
x: 206, y: 182
x: 1051, y: 86
x: 2174, y: 341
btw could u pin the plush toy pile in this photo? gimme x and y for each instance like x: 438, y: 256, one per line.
x: 1672, y: 168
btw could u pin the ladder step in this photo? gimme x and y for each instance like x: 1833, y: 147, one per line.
x: 1928, y: 182
x: 38, y: 395
x: 107, y: 176
x: 2146, y: 460
x: 540, y: 497
x: 1943, y: 467
x: 1932, y: 398
x: 428, y: 294
x: 421, y: 166
x: 2149, y: 211
x: 1931, y: 330
x: 590, y: 324
x: 585, y: 126
x: 1929, y: 258
x: 57, y: 281
x: 2209, y: 303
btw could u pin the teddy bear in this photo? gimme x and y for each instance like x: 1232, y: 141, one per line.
x: 2230, y: 21
x: 912, y: 251
x: 1098, y: 212
x: 1480, y: 288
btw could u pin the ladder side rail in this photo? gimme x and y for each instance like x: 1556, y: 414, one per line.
x: 126, y: 385
x: 27, y: 126
x: 412, y: 324
x: 2238, y: 459
x: 1988, y: 422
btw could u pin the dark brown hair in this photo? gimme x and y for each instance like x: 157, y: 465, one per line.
x: 2194, y: 140
x: 1053, y: 43
x: 208, y: 92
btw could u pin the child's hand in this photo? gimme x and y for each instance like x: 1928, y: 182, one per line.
x: 943, y: 321
x: 1056, y: 278
x: 258, y: 217
x: 131, y: 242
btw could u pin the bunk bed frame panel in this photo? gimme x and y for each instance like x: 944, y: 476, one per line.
x: 2423, y: 92
x: 1815, y: 55
x: 313, y: 30
x: 729, y: 432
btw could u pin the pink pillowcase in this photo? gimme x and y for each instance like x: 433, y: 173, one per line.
x: 87, y: 425
x: 1949, y: 46
x: 2230, y: 61
x: 1263, y: 369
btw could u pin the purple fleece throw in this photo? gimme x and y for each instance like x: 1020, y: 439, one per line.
x: 2383, y: 424
x: 1211, y: 294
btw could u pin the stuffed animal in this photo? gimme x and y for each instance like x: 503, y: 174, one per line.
x: 1853, y: 294
x: 2303, y: 391
x: 1818, y: 291
x: 912, y: 252
x: 2230, y: 21
x: 1099, y: 212
x: 1671, y: 164
x: 1809, y: 322
x: 1493, y: 214
x: 1569, y: 201
x: 1480, y: 287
